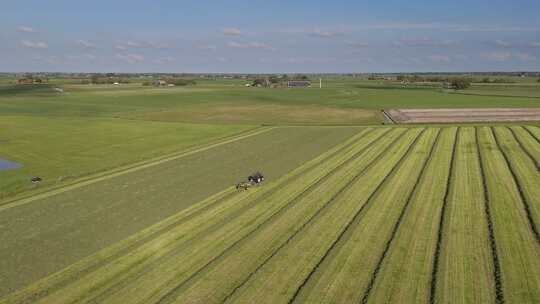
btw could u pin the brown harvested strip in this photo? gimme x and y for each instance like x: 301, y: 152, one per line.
x: 465, y: 267
x: 517, y: 249
x: 415, y: 188
x: 230, y: 273
x: 526, y: 180
x: 527, y: 145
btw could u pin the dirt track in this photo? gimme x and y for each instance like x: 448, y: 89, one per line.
x: 463, y: 115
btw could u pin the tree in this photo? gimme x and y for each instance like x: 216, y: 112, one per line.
x: 460, y: 83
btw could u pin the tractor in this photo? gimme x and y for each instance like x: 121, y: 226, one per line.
x: 253, y: 180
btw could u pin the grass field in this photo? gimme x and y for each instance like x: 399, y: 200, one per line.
x: 408, y: 215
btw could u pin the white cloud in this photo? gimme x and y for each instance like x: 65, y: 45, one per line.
x: 130, y: 58
x: 231, y: 31
x: 497, y: 56
x: 205, y: 46
x: 357, y: 44
x: 304, y: 60
x: 251, y: 45
x: 525, y: 56
x: 34, y: 44
x: 85, y: 44
x: 425, y: 42
x: 501, y: 43
x: 141, y: 45
x: 26, y: 29
x: 439, y: 58
x: 324, y: 33
x: 164, y: 60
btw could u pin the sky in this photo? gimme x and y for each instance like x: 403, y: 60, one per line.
x: 218, y: 36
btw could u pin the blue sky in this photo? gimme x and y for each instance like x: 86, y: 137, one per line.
x: 269, y: 36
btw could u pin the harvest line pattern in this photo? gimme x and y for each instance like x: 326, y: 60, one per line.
x: 353, y: 220
x: 496, y: 263
x: 347, y: 186
x: 522, y: 146
x: 367, y: 292
x: 171, y: 294
x: 524, y: 200
x: 440, y: 234
x: 293, y: 200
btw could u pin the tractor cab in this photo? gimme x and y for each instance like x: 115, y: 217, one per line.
x: 256, y: 178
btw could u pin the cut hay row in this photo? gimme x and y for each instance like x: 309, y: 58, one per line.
x: 517, y: 249
x: 344, y: 272
x: 465, y: 267
x: 225, y: 277
x: 392, y: 215
x: 534, y: 131
x: 442, y: 220
x: 81, y: 270
x: 404, y: 276
x: 165, y: 289
x: 527, y: 144
x: 524, y: 175
x: 398, y: 224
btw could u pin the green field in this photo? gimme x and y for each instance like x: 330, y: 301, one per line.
x: 399, y: 215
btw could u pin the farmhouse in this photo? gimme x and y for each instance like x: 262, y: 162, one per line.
x: 298, y: 84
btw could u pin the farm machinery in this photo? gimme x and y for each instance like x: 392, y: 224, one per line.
x: 253, y: 180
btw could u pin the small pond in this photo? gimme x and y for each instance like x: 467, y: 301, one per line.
x: 8, y: 165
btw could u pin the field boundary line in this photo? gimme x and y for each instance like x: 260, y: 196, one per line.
x: 522, y: 146
x: 440, y: 235
x: 346, y: 145
x: 397, y: 225
x: 130, y: 168
x: 519, y: 187
x: 355, y: 217
x: 324, y: 207
x: 186, y: 215
x: 497, y: 274
x: 165, y: 298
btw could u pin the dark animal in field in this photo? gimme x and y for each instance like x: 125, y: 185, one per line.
x: 36, y: 179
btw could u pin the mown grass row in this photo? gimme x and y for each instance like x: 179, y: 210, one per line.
x: 517, y: 250
x: 312, y: 247
x: 216, y: 230
x: 527, y: 145
x: 86, y: 266
x: 465, y: 267
x: 224, y: 278
x: 345, y: 269
x: 524, y: 176
x: 499, y: 292
x: 442, y: 220
x: 534, y: 132
x: 399, y: 221
x: 404, y: 275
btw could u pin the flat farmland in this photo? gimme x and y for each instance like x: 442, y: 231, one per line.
x: 387, y: 215
x: 463, y: 115
x: 45, y: 233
